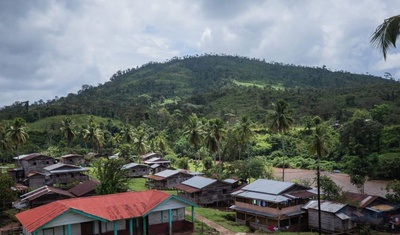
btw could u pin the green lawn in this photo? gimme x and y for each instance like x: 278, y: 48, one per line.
x: 225, y: 219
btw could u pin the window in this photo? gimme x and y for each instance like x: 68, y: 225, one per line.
x: 294, y: 220
x: 34, y: 163
x: 133, y: 171
x: 284, y: 223
x: 47, y: 162
x: 224, y: 191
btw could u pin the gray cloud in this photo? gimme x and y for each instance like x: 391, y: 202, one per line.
x: 52, y: 48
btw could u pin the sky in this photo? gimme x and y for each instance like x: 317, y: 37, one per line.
x: 50, y: 48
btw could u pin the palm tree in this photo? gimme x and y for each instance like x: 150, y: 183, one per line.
x: 68, y: 129
x: 5, y: 142
x: 215, y: 132
x: 127, y: 134
x: 319, y: 147
x: 94, y: 135
x: 193, y: 132
x: 17, y: 133
x: 140, y: 142
x: 281, y: 122
x: 244, y: 132
x: 386, y: 34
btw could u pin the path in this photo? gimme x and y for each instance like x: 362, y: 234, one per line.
x: 219, y: 228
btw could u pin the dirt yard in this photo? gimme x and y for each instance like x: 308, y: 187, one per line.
x: 372, y: 187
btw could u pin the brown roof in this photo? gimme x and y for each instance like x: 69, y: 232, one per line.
x: 156, y: 177
x: 84, y: 187
x: 362, y: 200
x: 71, y: 155
x: 43, y: 191
x: 186, y: 188
x: 34, y: 155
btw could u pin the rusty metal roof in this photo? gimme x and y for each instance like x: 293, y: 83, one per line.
x: 71, y: 155
x: 105, y: 207
x: 186, y: 188
x: 84, y: 187
x: 327, y: 206
x: 30, y: 156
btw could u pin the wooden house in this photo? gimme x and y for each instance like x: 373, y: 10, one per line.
x: 148, y: 156
x: 136, y: 170
x: 84, y: 189
x: 34, y: 162
x: 272, y: 205
x: 73, y: 159
x: 148, y: 212
x: 205, y: 191
x: 64, y: 174
x: 36, y: 179
x: 158, y: 164
x: 42, y: 196
x: 335, y: 217
x: 167, y: 179
x: 372, y: 210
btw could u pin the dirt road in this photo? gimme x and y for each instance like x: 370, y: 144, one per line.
x: 372, y: 187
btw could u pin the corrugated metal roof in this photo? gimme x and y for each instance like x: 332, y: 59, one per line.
x: 186, y: 188
x: 342, y: 216
x: 43, y: 191
x: 84, y: 187
x: 129, y: 165
x: 167, y: 173
x: 327, y: 206
x: 108, y: 207
x: 262, y: 196
x: 230, y: 181
x: 198, y: 182
x: 55, y: 168
x: 71, y: 155
x: 268, y: 186
x: 31, y: 156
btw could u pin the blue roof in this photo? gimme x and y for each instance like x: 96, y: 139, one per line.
x: 198, y: 182
x: 268, y: 186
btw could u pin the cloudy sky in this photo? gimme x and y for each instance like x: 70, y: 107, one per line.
x: 50, y: 48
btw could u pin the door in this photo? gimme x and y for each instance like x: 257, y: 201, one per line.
x: 87, y: 228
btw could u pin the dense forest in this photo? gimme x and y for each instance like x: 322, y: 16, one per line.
x: 241, y: 111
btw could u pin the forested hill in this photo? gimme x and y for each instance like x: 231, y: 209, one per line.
x: 219, y: 86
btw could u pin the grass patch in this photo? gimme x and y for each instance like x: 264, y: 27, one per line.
x: 222, y: 218
x: 137, y: 184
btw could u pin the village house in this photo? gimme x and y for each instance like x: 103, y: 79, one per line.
x: 335, y: 217
x: 64, y: 174
x: 373, y: 210
x: 36, y: 179
x: 167, y: 179
x: 158, y: 164
x: 136, y: 169
x: 272, y: 205
x: 33, y: 162
x: 42, y: 196
x: 73, y: 159
x: 147, y: 212
x: 148, y: 156
x: 205, y: 191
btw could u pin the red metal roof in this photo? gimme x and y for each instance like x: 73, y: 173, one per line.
x: 108, y: 207
x: 84, y: 187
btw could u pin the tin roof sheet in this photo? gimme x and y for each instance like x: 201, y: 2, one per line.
x: 327, y: 206
x: 198, y: 182
x: 262, y: 196
x: 167, y: 173
x: 268, y: 186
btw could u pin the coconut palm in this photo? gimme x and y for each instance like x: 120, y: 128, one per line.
x: 193, y: 133
x: 319, y: 147
x: 141, y: 142
x: 281, y: 122
x: 94, y: 135
x: 5, y: 141
x: 244, y: 132
x: 386, y: 34
x: 127, y: 134
x: 68, y: 129
x: 17, y: 133
x: 214, y: 133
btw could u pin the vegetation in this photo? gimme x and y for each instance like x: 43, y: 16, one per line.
x: 210, y: 111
